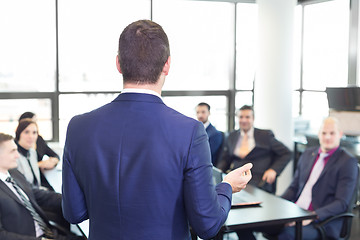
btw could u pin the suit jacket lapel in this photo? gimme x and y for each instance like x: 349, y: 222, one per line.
x: 308, y: 167
x: 138, y: 97
x: 332, y: 160
x: 234, y: 141
x: 9, y: 192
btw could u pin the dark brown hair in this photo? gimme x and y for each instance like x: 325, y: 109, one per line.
x: 23, y: 123
x: 143, y: 52
x: 204, y: 104
x: 4, y: 138
x: 247, y: 107
x: 27, y: 115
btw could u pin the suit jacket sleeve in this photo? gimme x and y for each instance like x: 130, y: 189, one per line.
x: 347, y: 177
x: 281, y: 154
x: 48, y: 200
x: 291, y: 192
x: 73, y: 198
x: 43, y: 149
x: 225, y: 157
x: 207, y: 208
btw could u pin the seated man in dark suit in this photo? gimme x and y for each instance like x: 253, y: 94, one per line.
x: 260, y: 147
x: 324, y: 182
x: 216, y: 137
x: 21, y: 213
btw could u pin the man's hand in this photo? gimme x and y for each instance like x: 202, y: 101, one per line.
x: 239, y: 177
x: 304, y: 223
x: 269, y: 176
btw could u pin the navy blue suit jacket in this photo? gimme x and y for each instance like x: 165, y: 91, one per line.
x: 332, y: 192
x: 216, y: 139
x: 140, y: 170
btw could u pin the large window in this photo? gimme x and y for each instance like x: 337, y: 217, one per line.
x: 11, y: 109
x: 27, y: 46
x: 202, y: 43
x: 325, y: 44
x: 88, y: 44
x: 187, y: 105
x: 60, y: 61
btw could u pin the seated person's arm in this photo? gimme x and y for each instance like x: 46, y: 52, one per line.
x: 224, y: 159
x: 281, y: 157
x: 48, y: 200
x: 49, y: 163
x: 6, y: 235
x: 53, y: 159
x: 346, y: 183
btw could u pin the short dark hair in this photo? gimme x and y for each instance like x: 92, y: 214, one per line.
x: 23, y: 123
x: 143, y: 52
x: 4, y: 138
x: 27, y: 115
x: 204, y: 104
x: 247, y: 107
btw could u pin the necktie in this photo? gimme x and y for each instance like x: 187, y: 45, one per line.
x: 244, y: 147
x: 306, y: 194
x: 31, y: 209
x: 35, y: 181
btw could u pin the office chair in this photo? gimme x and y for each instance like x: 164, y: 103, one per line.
x: 347, y: 216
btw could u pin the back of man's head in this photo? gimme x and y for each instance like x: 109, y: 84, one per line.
x: 143, y: 52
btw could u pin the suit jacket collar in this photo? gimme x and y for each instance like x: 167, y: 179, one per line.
x: 138, y: 97
x: 331, y: 162
x: 9, y: 192
x: 259, y: 141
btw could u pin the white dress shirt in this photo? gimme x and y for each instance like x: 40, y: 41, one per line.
x: 140, y: 90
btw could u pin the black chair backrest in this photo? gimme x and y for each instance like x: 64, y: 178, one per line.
x: 346, y: 227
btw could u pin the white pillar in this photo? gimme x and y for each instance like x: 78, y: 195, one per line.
x: 273, y: 84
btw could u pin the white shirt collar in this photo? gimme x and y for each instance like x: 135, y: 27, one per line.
x: 4, y: 176
x: 140, y: 90
x: 250, y: 133
x: 206, y: 124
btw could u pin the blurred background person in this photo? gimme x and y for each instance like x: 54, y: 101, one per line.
x: 42, y: 148
x: 216, y: 137
x: 324, y: 182
x: 24, y: 209
x: 25, y: 137
x: 42, y: 151
x: 268, y: 155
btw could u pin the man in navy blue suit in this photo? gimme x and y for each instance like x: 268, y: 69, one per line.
x: 216, y: 137
x: 138, y: 169
x: 327, y: 188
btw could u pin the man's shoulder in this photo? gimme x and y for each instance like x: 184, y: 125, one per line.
x: 345, y: 154
x: 265, y: 132
x: 109, y: 110
x: 18, y: 176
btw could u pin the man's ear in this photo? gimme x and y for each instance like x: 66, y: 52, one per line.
x: 118, y: 64
x: 166, y: 67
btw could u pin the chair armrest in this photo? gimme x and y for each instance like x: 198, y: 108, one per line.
x: 322, y: 223
x: 64, y: 230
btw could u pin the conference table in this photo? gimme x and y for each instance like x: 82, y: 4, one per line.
x: 272, y: 211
